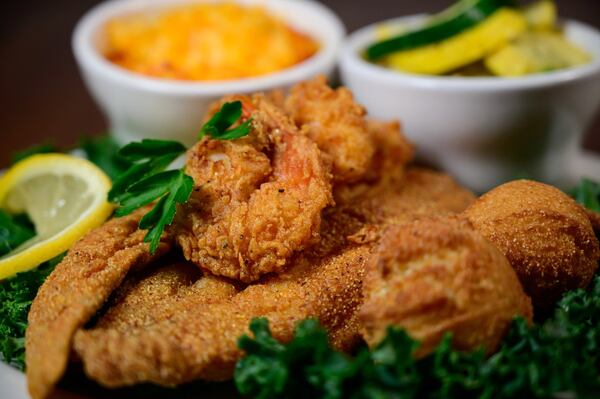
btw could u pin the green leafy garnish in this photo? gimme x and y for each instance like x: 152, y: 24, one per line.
x: 558, y: 358
x: 103, y: 151
x: 16, y: 295
x: 587, y: 194
x: 148, y: 158
x: 218, y: 127
x: 37, y: 149
x: 172, y: 187
x: 148, y: 180
x: 14, y: 231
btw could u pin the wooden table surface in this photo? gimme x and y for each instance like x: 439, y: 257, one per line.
x: 42, y: 98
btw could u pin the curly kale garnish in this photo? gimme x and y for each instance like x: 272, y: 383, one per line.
x: 16, y: 295
x: 587, y: 193
x: 558, y: 358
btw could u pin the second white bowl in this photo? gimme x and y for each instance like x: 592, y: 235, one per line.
x: 485, y: 130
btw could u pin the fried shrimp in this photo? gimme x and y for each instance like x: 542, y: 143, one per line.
x: 336, y: 123
x: 257, y: 201
x: 546, y: 236
x: 438, y: 275
x: 393, y: 150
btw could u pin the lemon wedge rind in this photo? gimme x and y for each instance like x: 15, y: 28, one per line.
x: 45, y: 247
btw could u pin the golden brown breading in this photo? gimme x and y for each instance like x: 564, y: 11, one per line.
x: 546, y: 236
x: 439, y: 275
x: 401, y: 195
x: 159, y: 292
x: 193, y: 340
x: 197, y: 340
x: 336, y: 123
x: 393, y: 151
x: 77, y: 288
x: 258, y: 200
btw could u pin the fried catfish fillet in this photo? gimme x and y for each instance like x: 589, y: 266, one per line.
x: 192, y: 338
x: 196, y: 339
x: 258, y: 199
x: 75, y: 290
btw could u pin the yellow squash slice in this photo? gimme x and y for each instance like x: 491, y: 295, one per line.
x: 536, y: 52
x: 541, y: 15
x: 463, y: 49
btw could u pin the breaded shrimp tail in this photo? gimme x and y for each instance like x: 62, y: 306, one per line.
x: 336, y: 123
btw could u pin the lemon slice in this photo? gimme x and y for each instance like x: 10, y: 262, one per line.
x: 64, y: 196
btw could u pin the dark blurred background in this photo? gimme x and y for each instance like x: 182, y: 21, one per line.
x: 42, y: 98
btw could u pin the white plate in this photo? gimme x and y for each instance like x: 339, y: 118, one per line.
x: 12, y: 383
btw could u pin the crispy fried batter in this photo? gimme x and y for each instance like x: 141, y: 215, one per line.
x: 159, y: 292
x: 258, y: 200
x: 546, y: 236
x: 393, y: 151
x: 197, y: 340
x: 437, y: 275
x: 336, y: 123
x: 71, y: 295
x: 401, y: 195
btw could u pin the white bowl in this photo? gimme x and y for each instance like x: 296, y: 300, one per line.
x: 139, y: 107
x: 484, y: 130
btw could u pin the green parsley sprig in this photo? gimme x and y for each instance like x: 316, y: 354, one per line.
x: 103, y: 151
x: 148, y: 178
x: 218, y: 127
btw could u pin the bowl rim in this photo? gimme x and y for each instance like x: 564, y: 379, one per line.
x: 91, y: 60
x: 351, y: 62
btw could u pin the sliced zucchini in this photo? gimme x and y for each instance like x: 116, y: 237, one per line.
x: 536, y: 52
x: 463, y: 49
x: 456, y: 19
x: 541, y: 15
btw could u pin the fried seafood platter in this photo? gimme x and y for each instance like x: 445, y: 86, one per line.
x: 297, y: 207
